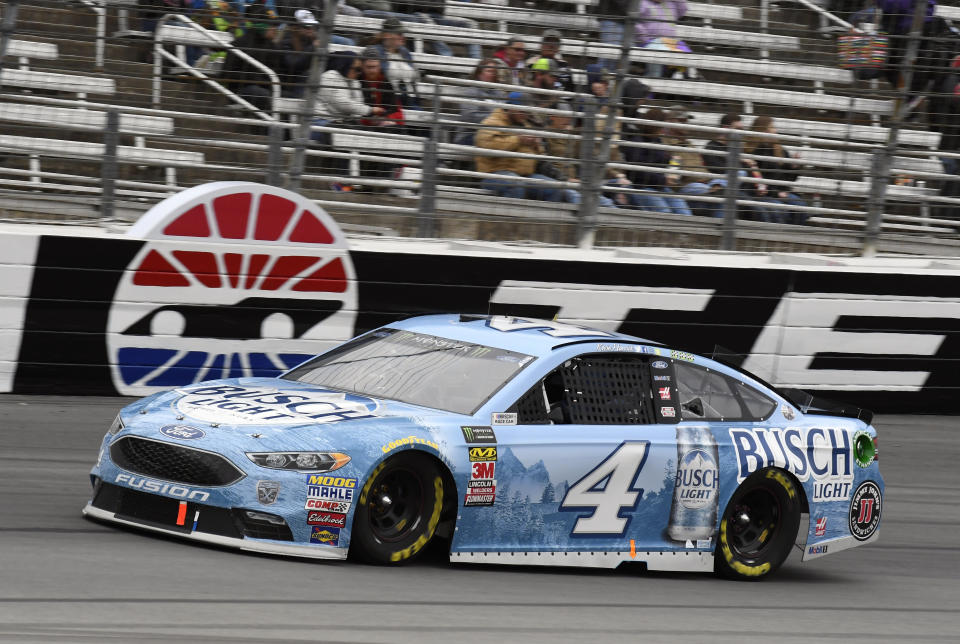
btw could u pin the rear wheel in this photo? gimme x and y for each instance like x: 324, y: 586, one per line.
x: 398, y: 510
x: 759, y: 526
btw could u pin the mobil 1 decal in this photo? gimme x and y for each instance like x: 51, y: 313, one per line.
x: 234, y: 279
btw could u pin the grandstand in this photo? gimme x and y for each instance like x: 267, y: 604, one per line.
x: 138, y: 94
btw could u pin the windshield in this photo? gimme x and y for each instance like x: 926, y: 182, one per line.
x: 415, y: 368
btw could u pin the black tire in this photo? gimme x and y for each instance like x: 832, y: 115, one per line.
x: 398, y: 510
x: 759, y: 526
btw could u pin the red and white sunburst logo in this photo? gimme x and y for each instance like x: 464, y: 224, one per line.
x: 235, y: 279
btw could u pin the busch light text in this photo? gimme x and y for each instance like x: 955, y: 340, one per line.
x: 821, y: 454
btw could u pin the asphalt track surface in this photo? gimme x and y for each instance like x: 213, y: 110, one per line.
x: 67, y: 579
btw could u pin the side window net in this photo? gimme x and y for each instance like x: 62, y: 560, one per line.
x: 606, y: 391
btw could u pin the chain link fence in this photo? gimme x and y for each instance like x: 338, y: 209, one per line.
x: 788, y: 126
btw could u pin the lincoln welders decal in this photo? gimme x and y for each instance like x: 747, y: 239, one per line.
x: 236, y: 279
x: 259, y: 406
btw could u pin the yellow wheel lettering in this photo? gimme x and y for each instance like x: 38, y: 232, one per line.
x: 401, y: 523
x: 370, y: 480
x: 424, y: 538
x: 782, y: 479
x: 750, y: 571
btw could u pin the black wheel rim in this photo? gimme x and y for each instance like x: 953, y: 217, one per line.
x: 754, y: 523
x: 395, y: 504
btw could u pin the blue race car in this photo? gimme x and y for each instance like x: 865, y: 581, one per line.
x: 517, y: 440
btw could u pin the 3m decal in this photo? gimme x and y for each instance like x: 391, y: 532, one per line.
x: 865, y: 511
x: 262, y: 406
x: 483, y: 454
x: 326, y: 536
x: 825, y: 455
x: 609, y: 490
x: 475, y: 434
x: 484, y: 470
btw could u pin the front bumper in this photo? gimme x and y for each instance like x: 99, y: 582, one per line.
x: 204, y: 523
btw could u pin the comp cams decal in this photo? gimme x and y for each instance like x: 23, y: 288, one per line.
x: 824, y: 455
x: 250, y: 405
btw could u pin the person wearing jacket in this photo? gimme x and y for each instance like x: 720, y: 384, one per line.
x: 656, y: 25
x: 696, y: 180
x: 666, y: 201
x: 783, y: 170
x: 612, y: 16
x: 396, y: 61
x: 511, y: 69
x: 247, y: 81
x: 493, y: 135
x: 340, y: 100
x: 486, y: 72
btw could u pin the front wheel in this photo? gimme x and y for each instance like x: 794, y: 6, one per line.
x: 398, y: 510
x: 759, y: 526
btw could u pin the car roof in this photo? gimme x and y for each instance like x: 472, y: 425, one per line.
x: 531, y: 336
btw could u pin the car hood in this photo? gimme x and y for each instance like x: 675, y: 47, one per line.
x: 274, y: 414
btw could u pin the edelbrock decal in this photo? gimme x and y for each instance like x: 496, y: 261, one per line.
x: 825, y: 455
x: 264, y: 406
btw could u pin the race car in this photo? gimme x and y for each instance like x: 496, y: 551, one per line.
x: 514, y: 440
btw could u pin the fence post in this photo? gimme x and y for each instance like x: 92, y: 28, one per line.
x: 7, y: 26
x: 883, y: 157
x: 108, y: 168
x: 427, y: 211
x: 590, y: 190
x: 301, y: 134
x: 274, y: 155
x: 728, y: 239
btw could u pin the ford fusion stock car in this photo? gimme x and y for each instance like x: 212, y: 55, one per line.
x: 513, y: 440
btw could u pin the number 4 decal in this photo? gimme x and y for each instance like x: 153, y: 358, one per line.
x: 608, y: 489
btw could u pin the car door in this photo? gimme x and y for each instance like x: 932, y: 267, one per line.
x: 587, y: 466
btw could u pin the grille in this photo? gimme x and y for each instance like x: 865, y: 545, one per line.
x: 173, y: 462
x: 255, y: 525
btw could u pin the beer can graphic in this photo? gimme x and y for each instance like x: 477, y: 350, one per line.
x: 693, y: 514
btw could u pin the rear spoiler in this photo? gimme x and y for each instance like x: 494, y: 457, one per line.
x: 802, y: 400
x: 810, y: 404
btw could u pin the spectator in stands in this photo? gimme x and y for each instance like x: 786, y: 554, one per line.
x: 396, y: 61
x: 435, y: 10
x: 485, y: 71
x: 510, y: 65
x: 543, y: 75
x: 569, y: 152
x: 550, y: 48
x: 656, y: 29
x: 598, y: 81
x: 612, y: 15
x: 297, y: 43
x: 340, y: 101
x: 690, y: 160
x: 492, y: 136
x: 242, y: 77
x: 716, y: 161
x: 404, y: 12
x: 944, y: 114
x: 378, y: 92
x: 784, y: 170
x: 666, y: 200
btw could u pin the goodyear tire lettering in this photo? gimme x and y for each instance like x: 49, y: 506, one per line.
x: 424, y: 538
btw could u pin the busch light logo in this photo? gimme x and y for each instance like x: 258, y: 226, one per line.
x: 267, y: 406
x: 696, y: 479
x: 183, y: 432
x: 234, y: 279
x: 824, y: 455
